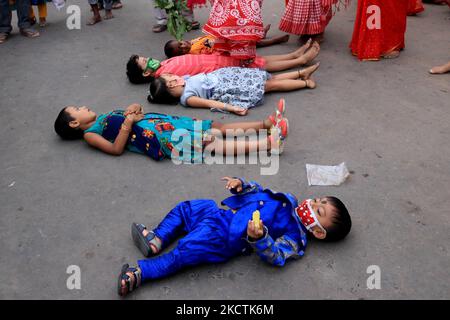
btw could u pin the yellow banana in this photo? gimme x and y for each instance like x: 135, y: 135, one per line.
x: 256, y: 219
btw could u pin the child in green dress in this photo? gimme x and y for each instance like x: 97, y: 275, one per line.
x: 159, y: 135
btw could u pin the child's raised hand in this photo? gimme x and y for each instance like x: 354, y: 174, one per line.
x: 134, y: 108
x: 255, y: 233
x: 233, y: 183
x: 135, y: 117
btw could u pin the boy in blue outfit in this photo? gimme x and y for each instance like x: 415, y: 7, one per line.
x: 215, y: 235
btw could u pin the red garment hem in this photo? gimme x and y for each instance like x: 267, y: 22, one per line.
x: 297, y: 29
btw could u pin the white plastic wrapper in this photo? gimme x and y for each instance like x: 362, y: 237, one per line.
x: 59, y: 4
x: 326, y: 175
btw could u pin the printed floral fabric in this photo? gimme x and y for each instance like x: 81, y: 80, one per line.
x: 158, y: 135
x: 243, y: 87
x: 237, y: 25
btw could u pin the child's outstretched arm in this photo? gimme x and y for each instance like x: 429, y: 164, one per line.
x: 197, y: 102
x: 116, y: 148
x: 241, y: 186
x: 274, y: 252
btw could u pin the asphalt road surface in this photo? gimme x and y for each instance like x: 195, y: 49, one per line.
x: 63, y: 203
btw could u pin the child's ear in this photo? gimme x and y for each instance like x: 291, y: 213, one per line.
x: 147, y: 73
x: 74, y: 124
x: 319, y: 233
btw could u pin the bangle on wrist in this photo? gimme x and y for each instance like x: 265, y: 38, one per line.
x: 225, y: 106
x: 124, y: 127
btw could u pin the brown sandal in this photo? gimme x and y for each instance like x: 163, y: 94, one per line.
x: 131, y: 282
x: 94, y: 20
x: 195, y: 25
x: 29, y: 33
x: 3, y: 37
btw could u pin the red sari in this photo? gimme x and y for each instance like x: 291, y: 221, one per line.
x: 371, y: 43
x: 415, y: 7
x: 308, y: 17
x: 237, y: 25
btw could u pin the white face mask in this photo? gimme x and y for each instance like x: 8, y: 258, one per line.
x: 307, y: 215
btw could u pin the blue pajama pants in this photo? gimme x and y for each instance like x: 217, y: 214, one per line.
x: 206, y: 241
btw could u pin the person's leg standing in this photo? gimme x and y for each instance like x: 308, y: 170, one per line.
x: 108, y: 9
x: 23, y: 16
x: 189, y: 15
x: 96, y: 18
x: 42, y: 8
x: 161, y: 19
x: 5, y: 20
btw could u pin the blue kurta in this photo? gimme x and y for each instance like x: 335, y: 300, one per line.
x: 216, y: 235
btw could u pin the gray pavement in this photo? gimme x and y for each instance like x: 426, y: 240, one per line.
x: 63, y: 203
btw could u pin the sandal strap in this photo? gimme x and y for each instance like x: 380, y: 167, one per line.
x: 137, y: 278
x: 150, y: 237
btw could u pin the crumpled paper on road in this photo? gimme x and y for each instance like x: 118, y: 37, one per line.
x: 59, y: 4
x: 326, y: 175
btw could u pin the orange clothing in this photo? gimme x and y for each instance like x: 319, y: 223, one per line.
x: 202, y: 45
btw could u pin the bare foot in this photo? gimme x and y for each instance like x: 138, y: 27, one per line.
x: 284, y: 38
x: 392, y: 55
x: 311, y: 53
x: 310, y: 83
x: 108, y: 15
x: 266, y: 29
x: 440, y: 69
x: 306, y: 73
x: 94, y: 20
x: 301, y: 51
x: 42, y: 22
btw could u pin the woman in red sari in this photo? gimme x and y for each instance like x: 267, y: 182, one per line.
x: 380, y: 28
x: 237, y: 25
x: 309, y: 18
x: 415, y: 7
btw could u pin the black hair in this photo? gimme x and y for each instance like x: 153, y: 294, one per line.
x: 342, y: 223
x: 64, y: 130
x: 159, y: 92
x: 169, y: 50
x: 134, y: 72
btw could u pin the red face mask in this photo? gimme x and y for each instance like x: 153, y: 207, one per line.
x: 307, y: 215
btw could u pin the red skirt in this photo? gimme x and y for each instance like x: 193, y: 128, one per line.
x: 381, y: 31
x: 415, y: 6
x: 237, y: 25
x: 303, y: 17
